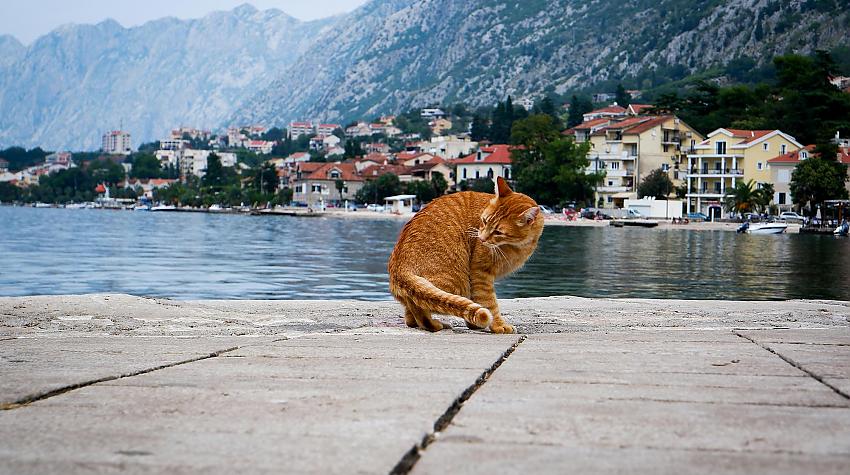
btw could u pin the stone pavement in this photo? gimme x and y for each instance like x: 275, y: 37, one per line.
x: 114, y: 383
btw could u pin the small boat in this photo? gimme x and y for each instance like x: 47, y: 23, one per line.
x: 164, y: 208
x: 142, y: 207
x: 762, y: 228
x: 842, y: 230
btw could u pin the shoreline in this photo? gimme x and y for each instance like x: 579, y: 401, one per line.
x: 793, y: 228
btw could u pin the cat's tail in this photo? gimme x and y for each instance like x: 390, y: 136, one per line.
x: 428, y: 296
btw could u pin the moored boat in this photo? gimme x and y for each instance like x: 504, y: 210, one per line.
x: 762, y: 228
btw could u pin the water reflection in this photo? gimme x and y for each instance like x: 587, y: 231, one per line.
x: 195, y: 256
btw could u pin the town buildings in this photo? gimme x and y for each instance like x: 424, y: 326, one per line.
x: 726, y: 156
x: 116, y: 142
x: 297, y: 129
x: 628, y: 148
x: 488, y: 162
x: 781, y: 170
x: 319, y: 186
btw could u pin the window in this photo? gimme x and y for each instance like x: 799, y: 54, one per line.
x: 615, y: 165
x: 665, y: 167
x: 782, y: 149
x: 490, y: 173
x: 299, y: 188
x: 781, y: 199
x: 507, y: 173
x: 765, y: 146
x: 720, y: 148
x: 477, y: 174
x: 804, y: 155
x: 335, y: 174
x: 760, y: 165
x: 464, y: 173
x: 316, y: 188
x: 717, y: 187
x: 610, y: 199
x: 610, y: 183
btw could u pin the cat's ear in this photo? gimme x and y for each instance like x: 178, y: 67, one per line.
x: 502, y: 188
x: 530, y: 214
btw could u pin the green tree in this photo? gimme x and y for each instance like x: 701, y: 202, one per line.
x: 439, y: 183
x: 483, y: 185
x: 106, y: 171
x: 265, y: 179
x: 816, y: 180
x: 374, y: 191
x: 745, y: 197
x: 146, y: 166
x: 548, y: 166
x: 578, y: 107
x: 340, y: 185
x: 479, y: 129
x: 622, y: 97
x: 214, y: 176
x: 9, y: 192
x: 547, y: 107
x: 655, y: 185
x: 423, y: 190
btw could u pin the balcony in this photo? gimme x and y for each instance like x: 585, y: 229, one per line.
x: 704, y: 194
x: 729, y: 172
x: 613, y: 189
x: 621, y: 172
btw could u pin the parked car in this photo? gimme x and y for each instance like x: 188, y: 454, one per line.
x: 697, y: 217
x: 791, y: 216
x: 375, y: 207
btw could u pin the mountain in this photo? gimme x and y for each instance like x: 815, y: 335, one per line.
x: 79, y: 81
x: 479, y: 51
x: 249, y: 66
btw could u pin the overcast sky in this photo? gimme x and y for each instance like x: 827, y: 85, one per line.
x: 29, y: 19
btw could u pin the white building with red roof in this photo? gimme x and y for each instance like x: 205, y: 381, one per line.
x: 611, y: 112
x: 327, y: 129
x: 488, y: 162
x: 726, y: 156
x: 297, y: 129
x: 319, y: 187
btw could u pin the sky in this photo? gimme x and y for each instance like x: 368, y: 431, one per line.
x: 29, y: 19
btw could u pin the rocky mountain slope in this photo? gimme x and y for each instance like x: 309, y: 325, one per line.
x: 246, y: 65
x: 73, y: 84
x: 479, y: 51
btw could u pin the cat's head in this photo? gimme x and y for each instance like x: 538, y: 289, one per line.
x: 510, y: 218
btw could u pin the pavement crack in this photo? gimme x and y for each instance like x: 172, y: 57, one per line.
x: 797, y: 365
x: 409, y: 459
x: 64, y: 389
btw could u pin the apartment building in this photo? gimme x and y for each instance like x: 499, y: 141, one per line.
x: 726, y: 156
x: 116, y: 142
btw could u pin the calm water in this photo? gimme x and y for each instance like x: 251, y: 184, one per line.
x: 195, y: 256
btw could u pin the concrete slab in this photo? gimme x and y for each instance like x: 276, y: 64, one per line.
x: 614, y: 404
x: 331, y: 403
x: 30, y: 367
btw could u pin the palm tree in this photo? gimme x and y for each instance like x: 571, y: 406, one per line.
x: 745, y: 198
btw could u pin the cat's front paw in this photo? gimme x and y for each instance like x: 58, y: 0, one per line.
x: 505, y: 328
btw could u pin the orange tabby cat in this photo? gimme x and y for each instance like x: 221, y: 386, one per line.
x: 449, y: 255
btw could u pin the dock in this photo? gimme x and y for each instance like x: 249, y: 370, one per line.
x: 109, y: 382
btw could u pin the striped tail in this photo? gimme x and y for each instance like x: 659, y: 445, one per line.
x: 428, y: 296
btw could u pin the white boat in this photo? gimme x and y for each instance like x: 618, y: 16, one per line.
x: 164, y: 208
x: 763, y: 228
x: 842, y: 230
x: 141, y: 208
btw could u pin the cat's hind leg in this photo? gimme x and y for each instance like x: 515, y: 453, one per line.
x: 423, y: 319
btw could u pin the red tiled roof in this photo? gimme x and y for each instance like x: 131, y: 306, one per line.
x: 648, y: 124
x: 749, y: 135
x: 374, y: 171
x: 794, y: 157
x: 587, y: 125
x: 492, y: 154
x: 309, y: 167
x: 347, y: 172
x: 614, y: 109
x: 429, y: 164
x: 639, y: 108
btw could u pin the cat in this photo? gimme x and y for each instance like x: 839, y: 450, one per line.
x: 450, y: 253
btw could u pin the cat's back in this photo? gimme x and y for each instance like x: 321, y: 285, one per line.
x: 443, y: 225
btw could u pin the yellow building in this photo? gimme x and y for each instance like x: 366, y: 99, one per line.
x: 630, y: 149
x: 726, y: 156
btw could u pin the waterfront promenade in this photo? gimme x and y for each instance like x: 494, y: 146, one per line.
x: 114, y: 383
